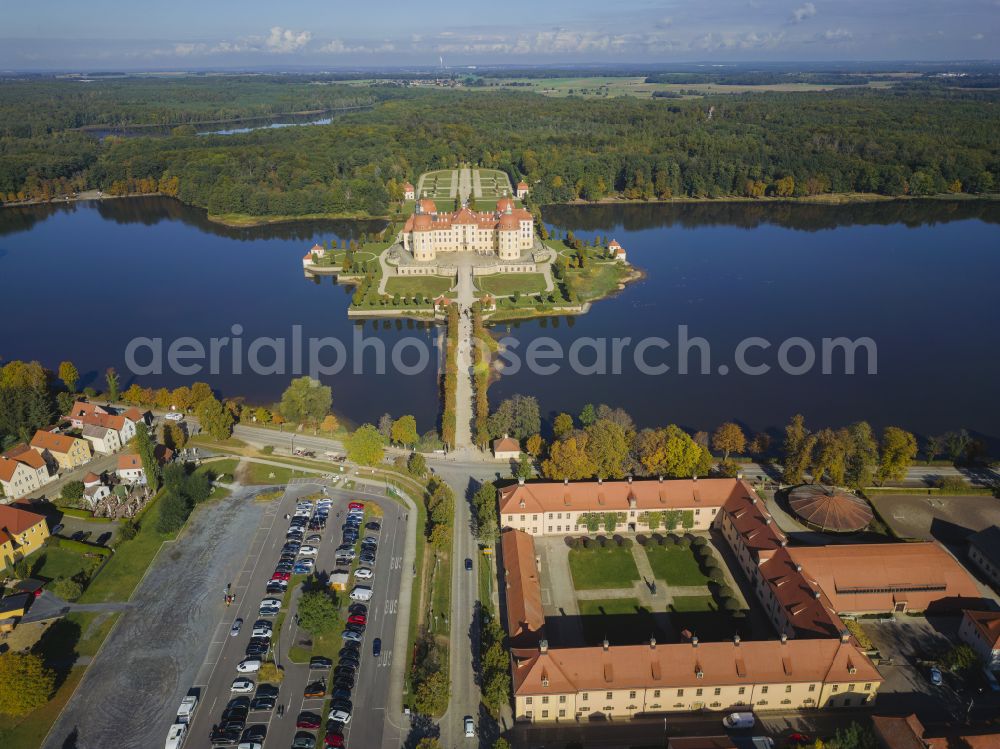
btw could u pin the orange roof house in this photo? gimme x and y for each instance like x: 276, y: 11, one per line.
x: 506, y: 448
x: 525, y: 619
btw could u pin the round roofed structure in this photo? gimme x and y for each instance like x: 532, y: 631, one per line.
x: 829, y: 509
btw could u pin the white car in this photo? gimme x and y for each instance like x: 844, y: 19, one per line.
x: 175, y: 736
x: 235, y: 629
x: 363, y: 573
x: 303, y: 512
x: 174, y: 416
x: 261, y: 632
x: 270, y: 603
x: 248, y: 666
x: 308, y: 551
x: 242, y: 686
x: 249, y: 745
x: 342, y: 716
x: 470, y: 727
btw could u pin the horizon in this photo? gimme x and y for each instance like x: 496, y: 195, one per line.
x: 253, y: 35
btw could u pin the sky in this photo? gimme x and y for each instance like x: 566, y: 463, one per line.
x: 187, y: 34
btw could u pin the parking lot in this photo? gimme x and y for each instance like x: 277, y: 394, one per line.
x: 949, y: 519
x: 275, y: 719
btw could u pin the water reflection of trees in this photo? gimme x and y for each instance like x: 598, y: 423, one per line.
x: 800, y: 216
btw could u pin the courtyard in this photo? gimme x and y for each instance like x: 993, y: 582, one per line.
x: 627, y: 589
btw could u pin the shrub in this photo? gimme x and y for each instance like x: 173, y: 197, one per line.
x: 586, y: 542
x: 710, y: 563
x: 859, y: 634
x: 66, y: 588
x: 702, y: 552
x: 730, y: 604
x: 269, y: 673
x: 602, y: 541
x: 617, y: 539
x: 626, y: 543
x: 684, y: 543
x: 699, y: 541
x: 716, y: 574
x: 641, y: 540
x: 267, y: 449
x: 658, y: 539
x: 724, y: 591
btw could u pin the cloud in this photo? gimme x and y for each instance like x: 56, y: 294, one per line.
x: 283, y: 41
x: 836, y: 35
x: 339, y: 47
x: 978, y: 37
x: 804, y: 11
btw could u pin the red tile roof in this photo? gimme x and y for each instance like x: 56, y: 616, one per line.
x: 57, y: 443
x: 7, y: 468
x: 16, y: 521
x: 534, y: 497
x: 431, y: 221
x: 988, y: 624
x: 506, y: 445
x: 525, y: 618
x: 129, y: 461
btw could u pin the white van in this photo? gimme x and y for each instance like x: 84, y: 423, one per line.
x: 361, y: 593
x: 187, y: 708
x: 739, y: 720
x: 175, y: 736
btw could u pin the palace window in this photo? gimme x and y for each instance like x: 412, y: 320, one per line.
x: 631, y: 695
x: 788, y: 688
x: 763, y: 690
x: 608, y: 696
x: 545, y: 700
x: 680, y: 692
x: 718, y: 691
x: 562, y: 699
x: 743, y: 690
x: 527, y: 700
x: 698, y: 692
x: 812, y: 687
x: 868, y: 687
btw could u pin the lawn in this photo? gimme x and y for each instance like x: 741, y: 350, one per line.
x: 675, y: 565
x: 260, y: 474
x: 688, y: 604
x: 220, y: 469
x: 506, y: 284
x: 597, y: 280
x: 53, y: 562
x: 94, y: 628
x: 611, y: 606
x: 429, y: 286
x: 28, y: 732
x: 592, y: 569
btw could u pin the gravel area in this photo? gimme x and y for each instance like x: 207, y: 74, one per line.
x: 153, y: 654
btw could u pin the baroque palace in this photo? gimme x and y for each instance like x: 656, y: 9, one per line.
x: 506, y: 233
x: 813, y: 662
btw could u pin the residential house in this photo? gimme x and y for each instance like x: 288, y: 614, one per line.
x: 22, y: 532
x: 981, y: 631
x: 95, y: 489
x: 22, y: 471
x: 84, y: 410
x: 85, y: 414
x: 522, y: 190
x: 103, y: 439
x: 409, y: 191
x: 136, y: 416
x: 310, y: 258
x: 984, y: 551
x: 61, y: 450
x: 130, y: 469
x: 506, y: 448
x: 907, y: 732
x: 617, y: 252
x: 12, y: 610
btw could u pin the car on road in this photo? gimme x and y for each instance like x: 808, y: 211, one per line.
x: 320, y: 662
x: 373, y: 526
x: 470, y: 727
x: 262, y: 703
x: 235, y: 629
x: 304, y: 740
x: 468, y: 564
x: 174, y: 416
x: 364, y: 573
x: 314, y: 689
x: 357, y: 619
x: 242, y: 686
x: 248, y: 666
x: 309, y: 720
x: 377, y: 647
x: 935, y: 676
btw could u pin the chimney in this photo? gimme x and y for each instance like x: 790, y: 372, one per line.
x: 565, y: 482
x: 520, y: 480
x: 767, y: 521
x: 798, y: 567
x: 784, y: 638
x: 606, y: 644
x: 753, y: 500
x: 630, y: 479
x: 736, y: 640
x: 694, y: 478
x: 543, y: 646
x: 739, y: 476
x: 694, y: 641
x: 784, y: 543
x: 845, y: 636
x: 652, y: 643
x: 600, y: 481
x: 816, y: 594
x: 661, y: 479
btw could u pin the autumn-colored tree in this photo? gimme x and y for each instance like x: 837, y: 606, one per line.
x: 69, y: 375
x: 112, y: 381
x: 899, y: 448
x: 330, y: 423
x: 404, y: 430
x: 568, y: 460
x: 365, y: 446
x: 608, y: 449
x: 562, y: 426
x: 672, y: 452
x: 729, y: 438
x: 215, y: 419
x: 25, y: 683
x: 180, y: 398
x: 534, y: 445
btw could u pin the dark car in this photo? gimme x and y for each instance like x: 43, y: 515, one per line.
x: 373, y: 526
x: 256, y: 651
x: 232, y: 725
x: 367, y: 558
x: 235, y: 715
x: 350, y: 660
x: 358, y: 608
x: 262, y: 703
x: 468, y: 564
x: 319, y: 662
x: 275, y: 589
x: 343, y: 683
x: 255, y: 733
x: 308, y: 720
x: 267, y: 690
x: 304, y: 740
x: 314, y: 689
x: 351, y: 648
x: 225, y: 736
x: 344, y: 705
x: 238, y: 702
x: 341, y: 694
x: 359, y: 628
x: 377, y: 647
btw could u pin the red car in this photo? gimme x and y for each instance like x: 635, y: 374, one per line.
x: 798, y: 738
x: 357, y: 619
x: 308, y: 720
x: 281, y: 576
x: 334, y: 740
x: 355, y: 506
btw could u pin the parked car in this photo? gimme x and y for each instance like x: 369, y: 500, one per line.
x: 235, y: 629
x: 221, y: 736
x: 367, y: 558
x: 373, y: 526
x: 308, y: 720
x: 268, y: 690
x: 364, y: 573
x: 248, y: 666
x: 262, y: 629
x: 334, y: 740
x: 739, y: 720
x: 262, y: 703
x: 254, y: 734
x: 351, y: 636
x: 340, y: 715
x: 242, y: 686
x: 176, y: 735
x: 320, y: 662
x: 314, y: 689
x: 308, y: 551
x: 271, y: 603
x: 355, y: 506
x: 357, y: 619
x: 357, y: 608
x: 935, y: 675
x: 470, y: 727
x: 304, y: 740
x: 303, y: 568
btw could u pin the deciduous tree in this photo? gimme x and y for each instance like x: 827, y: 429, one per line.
x: 562, y: 426
x: 608, y: 449
x: 25, y: 683
x: 69, y: 375
x: 404, y: 431
x: 729, y: 438
x: 899, y: 448
x: 365, y: 446
x: 306, y: 401
x: 567, y: 460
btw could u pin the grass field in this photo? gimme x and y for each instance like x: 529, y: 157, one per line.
x: 220, y: 469
x: 429, y: 286
x: 506, y: 284
x: 94, y: 628
x: 592, y: 569
x: 612, y: 86
x: 259, y: 474
x: 28, y: 731
x: 596, y: 280
x: 685, y: 604
x: 611, y: 606
x: 674, y: 565
x: 56, y: 562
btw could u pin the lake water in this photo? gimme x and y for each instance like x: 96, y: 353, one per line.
x: 80, y: 281
x: 918, y: 278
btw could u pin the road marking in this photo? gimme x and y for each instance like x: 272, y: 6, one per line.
x: 390, y: 606
x: 386, y: 659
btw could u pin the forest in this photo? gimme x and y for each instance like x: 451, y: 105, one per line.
x: 912, y: 141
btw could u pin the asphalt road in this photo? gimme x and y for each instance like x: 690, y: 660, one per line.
x: 368, y: 726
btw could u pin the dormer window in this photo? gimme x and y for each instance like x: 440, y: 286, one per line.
x: 545, y: 682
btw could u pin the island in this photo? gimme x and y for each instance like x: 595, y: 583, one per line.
x: 470, y: 230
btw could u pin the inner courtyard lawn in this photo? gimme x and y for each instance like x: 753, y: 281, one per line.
x: 593, y: 569
x: 675, y: 565
x: 683, y: 604
x: 506, y: 284
x: 429, y: 286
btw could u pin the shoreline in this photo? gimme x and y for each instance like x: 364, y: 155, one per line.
x: 243, y: 221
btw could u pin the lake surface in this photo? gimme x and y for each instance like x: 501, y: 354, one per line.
x: 918, y: 278
x: 82, y: 280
